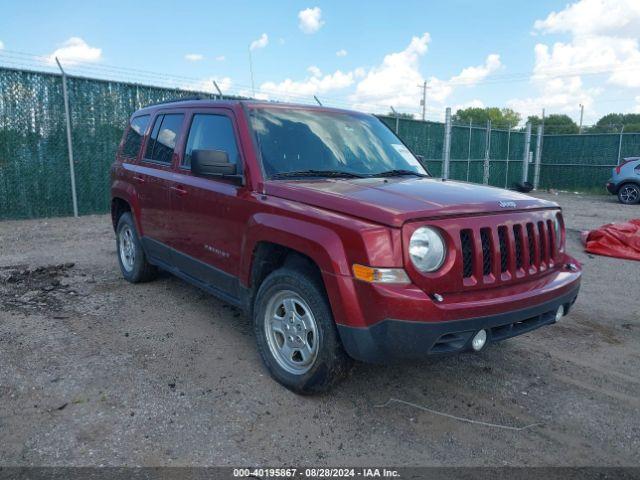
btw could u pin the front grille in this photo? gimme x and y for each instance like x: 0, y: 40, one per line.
x: 487, y: 254
x: 467, y: 253
x: 531, y: 238
x: 517, y: 233
x: 552, y: 247
x: 524, y: 248
x: 504, y: 254
x: 543, y: 241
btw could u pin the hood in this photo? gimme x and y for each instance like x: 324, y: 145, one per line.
x: 393, y: 201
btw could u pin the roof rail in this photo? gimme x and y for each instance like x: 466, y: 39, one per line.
x: 182, y: 99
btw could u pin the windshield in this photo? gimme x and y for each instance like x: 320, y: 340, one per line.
x: 299, y: 141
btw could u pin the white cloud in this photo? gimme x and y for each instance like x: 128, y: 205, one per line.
x: 603, y: 42
x: 206, y: 85
x: 315, y: 71
x: 1, y: 45
x: 316, y: 84
x: 310, y: 20
x: 594, y: 17
x: 397, y: 81
x: 194, y: 57
x: 75, y: 50
x: 341, y: 53
x: 473, y: 75
x: 220, y: 58
x: 260, y: 43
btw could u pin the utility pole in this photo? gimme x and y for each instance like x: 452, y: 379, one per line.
x: 423, y: 102
x: 581, y: 115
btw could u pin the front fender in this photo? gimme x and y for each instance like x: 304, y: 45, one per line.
x: 317, y: 242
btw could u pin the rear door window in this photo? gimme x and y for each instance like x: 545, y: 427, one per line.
x: 211, y: 132
x: 133, y: 139
x: 164, y: 136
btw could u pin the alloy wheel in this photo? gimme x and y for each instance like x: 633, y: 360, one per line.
x: 292, y: 332
x: 127, y: 248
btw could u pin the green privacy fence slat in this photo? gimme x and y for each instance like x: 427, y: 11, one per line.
x: 34, y: 168
x: 34, y: 165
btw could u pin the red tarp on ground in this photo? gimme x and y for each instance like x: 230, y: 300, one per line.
x: 620, y: 240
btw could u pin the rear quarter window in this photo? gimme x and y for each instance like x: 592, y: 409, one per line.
x: 133, y: 138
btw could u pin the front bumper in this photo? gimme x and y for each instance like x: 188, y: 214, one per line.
x: 391, y: 339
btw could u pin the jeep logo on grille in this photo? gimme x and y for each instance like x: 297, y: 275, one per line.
x: 507, y: 204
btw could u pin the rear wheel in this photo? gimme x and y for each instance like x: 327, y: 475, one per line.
x: 133, y: 262
x: 295, y: 332
x: 629, y: 194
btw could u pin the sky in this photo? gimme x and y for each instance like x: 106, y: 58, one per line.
x: 524, y: 55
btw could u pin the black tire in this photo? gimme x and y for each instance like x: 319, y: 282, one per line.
x: 331, y: 362
x: 140, y: 270
x: 629, y: 194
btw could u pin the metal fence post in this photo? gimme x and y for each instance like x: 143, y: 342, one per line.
x: 67, y: 114
x: 469, y: 154
x: 487, y: 153
x: 506, y: 175
x: 620, y: 145
x: 446, y: 149
x: 525, y: 155
x: 395, y: 114
x: 536, y: 171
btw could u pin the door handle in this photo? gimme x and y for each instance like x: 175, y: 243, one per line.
x: 138, y: 179
x: 179, y: 190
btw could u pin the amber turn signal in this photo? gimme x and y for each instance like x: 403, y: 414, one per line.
x: 380, y: 275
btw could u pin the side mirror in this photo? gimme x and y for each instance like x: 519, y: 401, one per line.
x: 211, y: 163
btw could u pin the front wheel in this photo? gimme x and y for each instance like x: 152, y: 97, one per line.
x: 629, y: 194
x: 296, y: 336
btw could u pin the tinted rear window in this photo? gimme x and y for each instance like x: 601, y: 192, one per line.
x: 133, y: 139
x: 164, y: 137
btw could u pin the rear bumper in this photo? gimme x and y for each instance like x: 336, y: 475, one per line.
x: 612, y: 188
x: 391, y: 339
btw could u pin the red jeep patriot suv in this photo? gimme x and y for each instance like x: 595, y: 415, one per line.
x: 325, y: 228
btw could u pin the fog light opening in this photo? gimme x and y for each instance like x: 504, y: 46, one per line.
x: 559, y: 313
x: 479, y: 340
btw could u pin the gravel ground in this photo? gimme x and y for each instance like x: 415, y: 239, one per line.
x: 95, y: 371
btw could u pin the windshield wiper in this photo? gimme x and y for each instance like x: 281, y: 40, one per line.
x: 398, y: 173
x: 316, y: 173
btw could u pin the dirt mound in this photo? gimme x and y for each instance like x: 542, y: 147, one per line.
x: 39, y: 288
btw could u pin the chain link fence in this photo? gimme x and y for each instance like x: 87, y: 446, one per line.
x: 35, y: 178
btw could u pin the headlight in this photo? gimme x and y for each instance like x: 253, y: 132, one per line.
x: 558, y: 228
x: 427, y: 249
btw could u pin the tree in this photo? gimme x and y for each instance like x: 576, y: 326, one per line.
x: 400, y: 115
x: 613, y: 123
x: 555, y: 124
x: 500, y: 118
